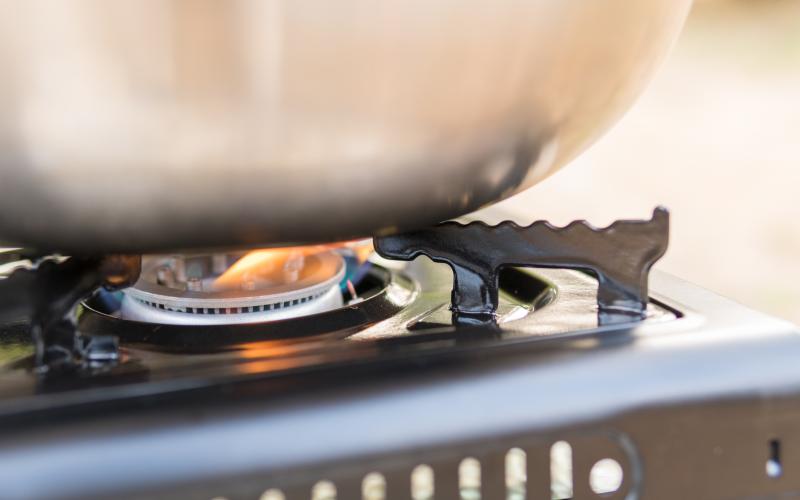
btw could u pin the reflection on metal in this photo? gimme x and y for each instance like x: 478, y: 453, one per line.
x: 136, y: 126
x: 621, y: 256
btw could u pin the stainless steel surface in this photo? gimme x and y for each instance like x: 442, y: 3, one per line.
x: 130, y: 125
x: 693, y: 400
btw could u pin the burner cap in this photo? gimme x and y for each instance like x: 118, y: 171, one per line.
x: 227, y: 288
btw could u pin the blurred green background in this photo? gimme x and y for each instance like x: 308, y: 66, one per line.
x: 716, y: 138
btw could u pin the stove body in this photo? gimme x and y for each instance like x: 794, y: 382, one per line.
x: 698, y: 400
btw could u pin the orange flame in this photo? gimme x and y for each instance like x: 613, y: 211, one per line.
x: 268, y: 263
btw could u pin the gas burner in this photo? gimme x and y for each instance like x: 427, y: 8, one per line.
x: 215, y: 301
x: 232, y: 288
x: 504, y: 357
x: 380, y: 295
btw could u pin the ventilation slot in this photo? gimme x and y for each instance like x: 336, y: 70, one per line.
x: 516, y: 475
x: 561, y: 471
x: 422, y: 482
x: 272, y: 494
x: 469, y: 478
x: 606, y: 476
x: 536, y: 472
x: 324, y: 490
x: 373, y: 487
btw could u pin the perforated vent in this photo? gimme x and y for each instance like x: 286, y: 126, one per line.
x: 582, y: 467
x: 270, y: 306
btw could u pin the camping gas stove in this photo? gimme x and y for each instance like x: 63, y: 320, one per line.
x: 555, y: 365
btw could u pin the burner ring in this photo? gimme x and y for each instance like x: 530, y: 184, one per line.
x: 313, y: 290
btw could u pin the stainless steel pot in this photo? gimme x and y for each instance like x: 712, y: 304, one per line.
x: 140, y: 125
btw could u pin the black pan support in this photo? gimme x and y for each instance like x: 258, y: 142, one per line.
x: 620, y: 255
x: 46, y: 295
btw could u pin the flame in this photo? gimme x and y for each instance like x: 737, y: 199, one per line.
x: 267, y: 263
x: 272, y: 264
